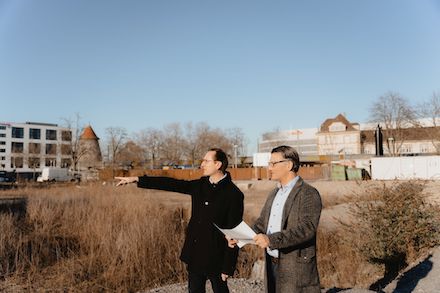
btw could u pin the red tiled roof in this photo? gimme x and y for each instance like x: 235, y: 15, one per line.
x: 88, y: 133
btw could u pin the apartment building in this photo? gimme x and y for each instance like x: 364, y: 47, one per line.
x: 30, y: 146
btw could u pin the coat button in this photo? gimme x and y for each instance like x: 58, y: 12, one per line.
x: 206, y: 203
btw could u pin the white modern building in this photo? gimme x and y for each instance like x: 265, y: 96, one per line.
x: 28, y: 147
x: 303, y: 140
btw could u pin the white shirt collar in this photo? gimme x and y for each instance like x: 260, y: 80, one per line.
x: 290, y: 184
x: 224, y: 176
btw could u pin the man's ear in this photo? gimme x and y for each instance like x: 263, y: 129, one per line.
x: 291, y: 165
x: 218, y: 164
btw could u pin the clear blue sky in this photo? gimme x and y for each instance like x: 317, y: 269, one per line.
x: 258, y: 65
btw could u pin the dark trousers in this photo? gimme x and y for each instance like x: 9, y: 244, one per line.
x: 197, y: 283
x: 272, y: 272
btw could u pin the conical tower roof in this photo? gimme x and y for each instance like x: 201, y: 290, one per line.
x: 89, y: 150
x: 88, y: 133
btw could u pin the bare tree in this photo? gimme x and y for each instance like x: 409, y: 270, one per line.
x: 394, y: 113
x: 237, y: 137
x: 431, y: 110
x: 131, y: 154
x: 76, y: 151
x: 197, y: 140
x: 116, y: 137
x: 201, y: 137
x: 151, y: 142
x: 174, y: 142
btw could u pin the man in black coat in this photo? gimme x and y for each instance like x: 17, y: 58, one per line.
x: 215, y: 199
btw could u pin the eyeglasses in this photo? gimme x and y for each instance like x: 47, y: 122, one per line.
x: 271, y: 164
x: 206, y: 161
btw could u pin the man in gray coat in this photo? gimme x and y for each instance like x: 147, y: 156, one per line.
x: 287, y: 227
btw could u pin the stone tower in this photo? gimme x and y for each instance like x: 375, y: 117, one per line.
x: 89, y: 150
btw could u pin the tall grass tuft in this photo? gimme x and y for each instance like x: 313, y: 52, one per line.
x: 93, y: 239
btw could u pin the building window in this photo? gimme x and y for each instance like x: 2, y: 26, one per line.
x: 51, y: 134
x: 17, y: 147
x: 406, y: 149
x: 2, y: 134
x: 16, y: 162
x: 66, y: 163
x: 66, y: 135
x: 2, y: 158
x: 2, y: 127
x: 424, y: 148
x: 66, y: 149
x: 34, y: 162
x: 17, y: 132
x: 34, y: 148
x: 337, y: 126
x: 50, y: 162
x: 34, y: 133
x: 2, y: 150
x: 51, y: 149
x: 2, y: 142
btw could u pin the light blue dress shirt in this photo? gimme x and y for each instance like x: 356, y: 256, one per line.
x: 276, y: 212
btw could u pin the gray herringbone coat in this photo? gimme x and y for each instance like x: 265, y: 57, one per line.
x: 297, y: 270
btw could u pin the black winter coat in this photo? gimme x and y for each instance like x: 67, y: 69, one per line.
x: 205, y: 249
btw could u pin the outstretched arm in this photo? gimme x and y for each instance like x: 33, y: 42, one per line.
x: 126, y: 180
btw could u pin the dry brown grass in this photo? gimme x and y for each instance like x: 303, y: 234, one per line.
x: 101, y: 238
x: 92, y: 239
x: 341, y: 265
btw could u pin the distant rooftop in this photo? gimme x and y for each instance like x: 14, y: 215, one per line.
x: 42, y: 124
x: 88, y: 133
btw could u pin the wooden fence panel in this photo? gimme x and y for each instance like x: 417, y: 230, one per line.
x: 258, y: 173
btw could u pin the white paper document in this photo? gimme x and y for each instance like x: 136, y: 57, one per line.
x: 242, y: 233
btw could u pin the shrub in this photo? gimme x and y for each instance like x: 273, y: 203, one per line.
x: 393, y: 224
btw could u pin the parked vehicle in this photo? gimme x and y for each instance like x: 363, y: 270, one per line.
x: 51, y: 174
x: 8, y: 177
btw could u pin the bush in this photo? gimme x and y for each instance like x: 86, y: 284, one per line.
x: 393, y: 224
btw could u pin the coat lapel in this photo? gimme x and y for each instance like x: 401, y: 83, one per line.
x: 289, y: 202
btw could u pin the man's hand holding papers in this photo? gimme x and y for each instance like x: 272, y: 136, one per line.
x: 240, y: 235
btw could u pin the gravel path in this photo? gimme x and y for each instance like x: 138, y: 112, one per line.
x: 242, y: 286
x: 422, y: 277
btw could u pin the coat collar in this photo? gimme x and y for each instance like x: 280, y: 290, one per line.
x: 222, y: 182
x: 289, y: 202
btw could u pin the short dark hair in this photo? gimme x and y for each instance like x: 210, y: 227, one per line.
x: 220, y: 156
x: 288, y: 153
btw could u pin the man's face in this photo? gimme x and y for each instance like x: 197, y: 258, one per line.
x: 279, y: 167
x: 209, y: 165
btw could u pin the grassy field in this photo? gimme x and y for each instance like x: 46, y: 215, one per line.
x: 102, y: 238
